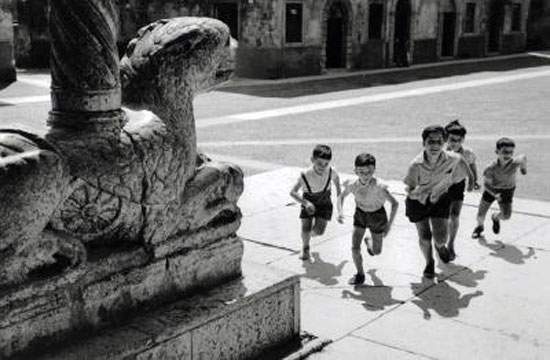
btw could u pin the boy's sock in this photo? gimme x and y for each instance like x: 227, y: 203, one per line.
x: 443, y: 253
x: 305, y: 253
x: 496, y: 223
x: 477, y: 232
x: 429, y: 270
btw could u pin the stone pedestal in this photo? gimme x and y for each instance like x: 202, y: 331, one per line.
x: 237, y: 320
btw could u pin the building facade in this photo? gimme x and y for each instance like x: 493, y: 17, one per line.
x: 7, y: 64
x: 285, y: 38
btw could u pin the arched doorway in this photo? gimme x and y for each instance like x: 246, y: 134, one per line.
x: 495, y: 25
x: 402, y: 33
x: 337, y: 25
x: 448, y: 28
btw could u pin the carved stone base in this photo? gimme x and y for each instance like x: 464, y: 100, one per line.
x: 105, y: 292
x: 237, y: 320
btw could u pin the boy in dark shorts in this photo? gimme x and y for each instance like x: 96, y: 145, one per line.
x: 455, y: 139
x: 499, y: 182
x: 428, y: 179
x: 370, y: 195
x: 315, y: 183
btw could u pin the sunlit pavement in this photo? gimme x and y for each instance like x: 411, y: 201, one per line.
x: 492, y: 302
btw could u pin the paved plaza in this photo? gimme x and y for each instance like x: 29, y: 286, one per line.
x: 492, y: 302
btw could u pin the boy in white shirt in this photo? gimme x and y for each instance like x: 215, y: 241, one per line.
x: 370, y: 195
x: 430, y: 175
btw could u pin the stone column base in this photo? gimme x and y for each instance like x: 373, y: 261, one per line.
x: 237, y: 320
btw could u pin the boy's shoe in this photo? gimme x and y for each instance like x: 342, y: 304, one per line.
x: 357, y: 279
x: 429, y: 271
x: 443, y: 254
x: 496, y: 224
x: 452, y: 255
x: 305, y: 254
x: 477, y: 232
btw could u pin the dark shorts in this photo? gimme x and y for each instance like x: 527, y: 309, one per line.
x: 456, y: 191
x: 323, y: 206
x: 376, y: 221
x: 416, y: 211
x: 506, y: 196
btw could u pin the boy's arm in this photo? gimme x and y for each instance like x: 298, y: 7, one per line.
x: 394, y: 205
x: 471, y: 177
x: 473, y: 168
x: 336, y: 181
x: 295, y: 194
x: 340, y: 203
x: 521, y: 160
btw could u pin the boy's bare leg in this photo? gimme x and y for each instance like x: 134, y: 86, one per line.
x: 425, y: 242
x: 376, y: 247
x: 439, y: 233
x: 482, y: 212
x: 454, y: 222
x: 356, y: 239
x: 306, y: 236
x: 319, y: 227
x: 504, y: 214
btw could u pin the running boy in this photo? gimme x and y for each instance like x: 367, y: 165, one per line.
x: 455, y: 139
x: 499, y: 182
x: 370, y: 195
x: 315, y: 197
x: 428, y: 179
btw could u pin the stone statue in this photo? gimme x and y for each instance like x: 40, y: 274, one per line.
x: 136, y: 183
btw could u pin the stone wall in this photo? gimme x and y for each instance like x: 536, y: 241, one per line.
x: 7, y: 66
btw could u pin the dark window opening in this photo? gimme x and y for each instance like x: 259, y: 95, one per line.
x: 229, y: 14
x: 293, y: 33
x: 469, y: 20
x: 516, y: 17
x: 376, y: 20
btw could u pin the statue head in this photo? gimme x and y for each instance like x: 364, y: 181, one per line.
x: 174, y: 58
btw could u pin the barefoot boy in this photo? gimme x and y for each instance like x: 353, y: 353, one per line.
x: 499, y: 182
x: 315, y: 183
x: 370, y: 195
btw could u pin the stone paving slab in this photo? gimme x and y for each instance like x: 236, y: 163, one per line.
x: 486, y: 304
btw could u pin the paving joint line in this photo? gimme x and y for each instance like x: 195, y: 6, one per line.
x: 393, y: 347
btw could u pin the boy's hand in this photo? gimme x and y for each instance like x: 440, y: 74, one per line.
x: 477, y: 186
x: 310, y: 208
x: 498, y: 197
x: 340, y: 218
x: 471, y: 186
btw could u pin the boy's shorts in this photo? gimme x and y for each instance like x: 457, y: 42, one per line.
x: 323, y: 206
x: 506, y: 196
x: 456, y: 191
x: 376, y: 220
x: 416, y: 211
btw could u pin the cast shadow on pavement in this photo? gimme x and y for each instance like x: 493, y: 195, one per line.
x: 313, y: 86
x: 324, y: 272
x: 375, y: 297
x: 461, y: 275
x: 507, y: 252
x: 442, y: 298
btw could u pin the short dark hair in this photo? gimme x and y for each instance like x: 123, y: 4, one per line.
x: 365, y: 159
x: 505, y: 142
x: 322, y: 152
x: 433, y: 129
x: 455, y: 128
